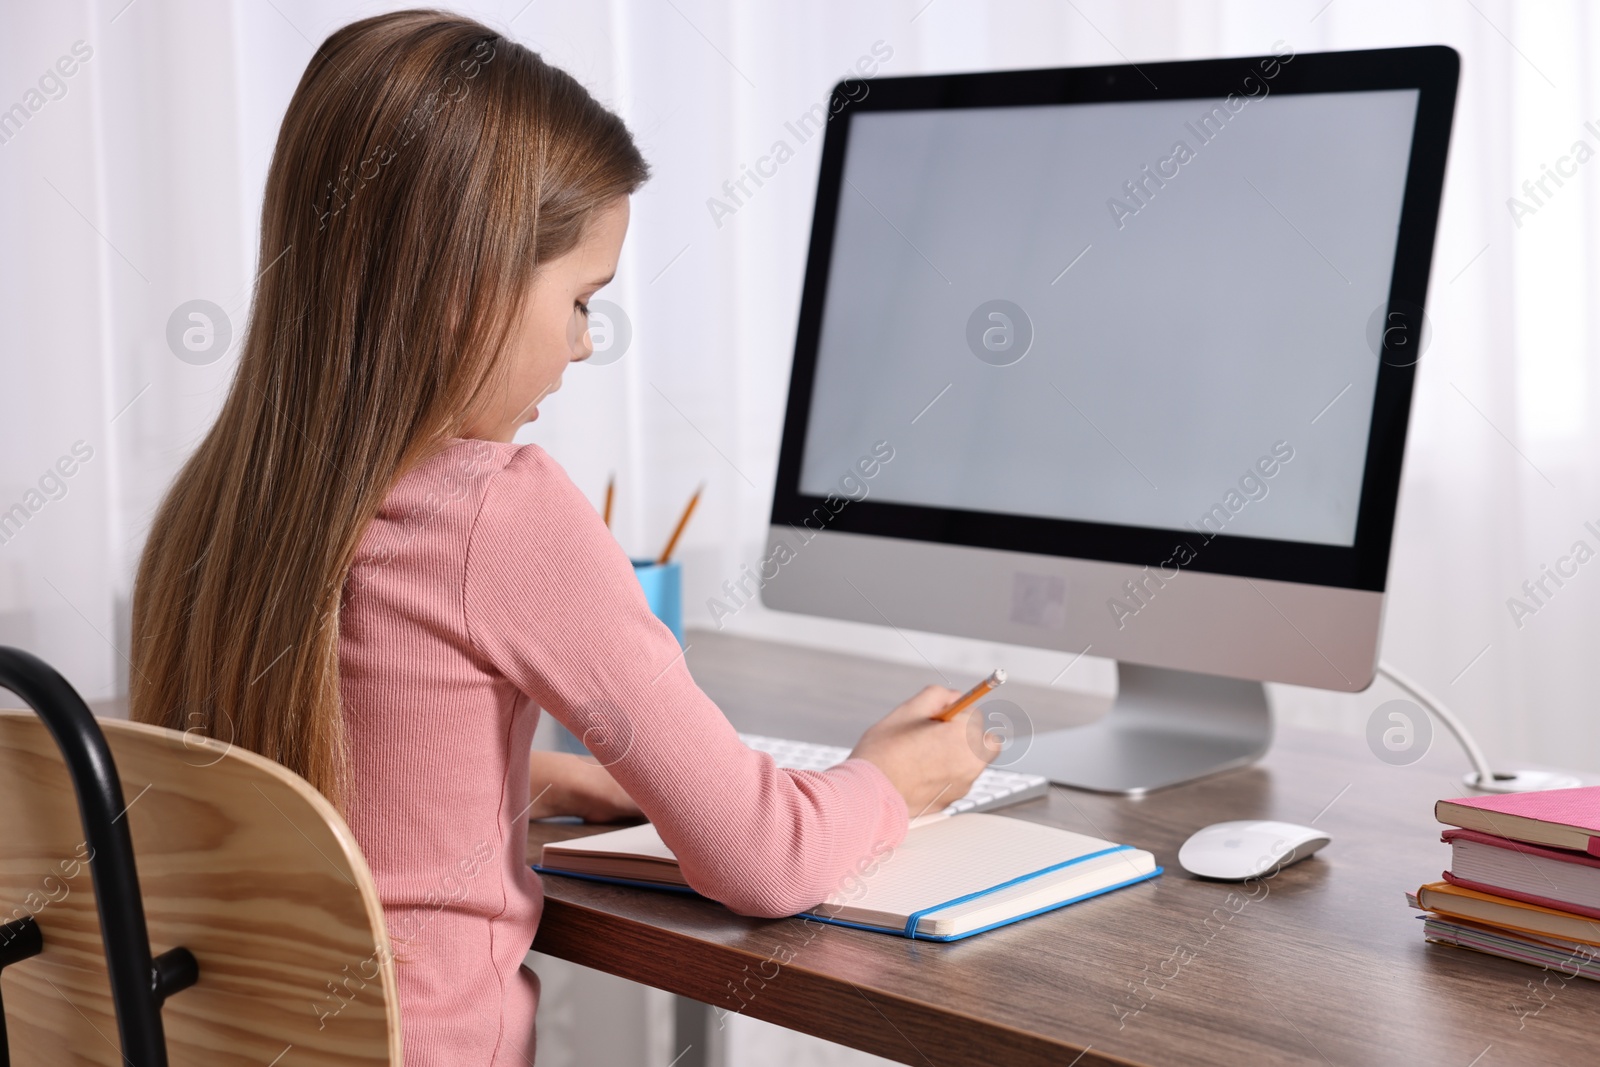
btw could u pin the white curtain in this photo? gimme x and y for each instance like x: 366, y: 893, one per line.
x: 132, y: 184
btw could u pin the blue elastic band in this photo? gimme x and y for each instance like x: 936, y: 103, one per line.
x: 916, y: 917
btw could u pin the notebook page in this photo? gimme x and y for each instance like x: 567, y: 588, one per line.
x: 1085, y: 878
x: 641, y: 841
x: 941, y: 861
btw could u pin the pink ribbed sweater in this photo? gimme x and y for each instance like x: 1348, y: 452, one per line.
x: 488, y: 588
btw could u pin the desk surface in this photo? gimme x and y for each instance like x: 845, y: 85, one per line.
x: 1328, y: 967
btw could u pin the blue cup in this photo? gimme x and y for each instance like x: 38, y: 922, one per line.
x: 663, y: 591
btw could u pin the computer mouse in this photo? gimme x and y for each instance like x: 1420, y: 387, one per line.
x: 1234, y: 851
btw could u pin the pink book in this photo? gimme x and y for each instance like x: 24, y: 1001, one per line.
x: 1556, y: 818
x: 1549, y: 877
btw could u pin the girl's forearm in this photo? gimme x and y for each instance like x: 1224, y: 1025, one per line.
x: 560, y: 783
x: 549, y: 786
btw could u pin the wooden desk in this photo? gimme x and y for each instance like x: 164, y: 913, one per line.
x: 1329, y: 967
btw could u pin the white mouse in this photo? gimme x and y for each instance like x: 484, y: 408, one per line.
x: 1234, y: 851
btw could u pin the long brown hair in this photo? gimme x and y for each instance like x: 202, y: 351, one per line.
x: 426, y: 168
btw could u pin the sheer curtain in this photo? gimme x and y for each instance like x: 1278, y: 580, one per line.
x: 132, y: 186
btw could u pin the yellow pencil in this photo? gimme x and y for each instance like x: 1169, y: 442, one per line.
x: 973, y: 695
x: 611, y: 494
x: 672, y: 542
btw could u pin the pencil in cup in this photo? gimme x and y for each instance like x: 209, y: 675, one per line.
x: 973, y: 695
x: 672, y: 542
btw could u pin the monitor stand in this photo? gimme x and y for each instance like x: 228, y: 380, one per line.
x: 1164, y: 728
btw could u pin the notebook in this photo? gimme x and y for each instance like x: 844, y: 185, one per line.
x: 952, y: 877
x: 1551, y: 877
x: 1461, y: 903
x: 1571, y: 958
x: 1558, y: 818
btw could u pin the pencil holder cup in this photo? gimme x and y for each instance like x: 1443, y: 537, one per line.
x: 663, y: 591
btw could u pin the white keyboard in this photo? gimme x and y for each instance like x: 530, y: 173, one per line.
x: 993, y: 789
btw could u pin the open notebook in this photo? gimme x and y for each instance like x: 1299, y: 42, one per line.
x: 952, y: 876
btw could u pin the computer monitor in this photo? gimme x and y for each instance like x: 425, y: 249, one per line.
x: 1118, y: 360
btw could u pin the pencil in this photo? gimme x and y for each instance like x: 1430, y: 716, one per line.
x: 611, y: 494
x: 973, y: 695
x: 672, y: 542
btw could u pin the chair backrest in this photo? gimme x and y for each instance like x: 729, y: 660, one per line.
x: 239, y: 860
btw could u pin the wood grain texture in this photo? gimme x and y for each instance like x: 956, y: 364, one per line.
x: 240, y: 861
x: 1326, y: 965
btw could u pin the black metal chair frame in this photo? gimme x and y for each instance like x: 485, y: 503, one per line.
x: 140, y: 983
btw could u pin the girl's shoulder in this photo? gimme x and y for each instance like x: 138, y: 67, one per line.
x: 465, y: 469
x: 438, y: 504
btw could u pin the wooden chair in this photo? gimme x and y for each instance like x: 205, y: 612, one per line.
x: 270, y: 938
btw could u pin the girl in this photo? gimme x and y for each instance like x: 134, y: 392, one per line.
x: 358, y: 575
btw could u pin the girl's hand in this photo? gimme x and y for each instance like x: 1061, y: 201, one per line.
x: 566, y: 784
x: 931, y: 763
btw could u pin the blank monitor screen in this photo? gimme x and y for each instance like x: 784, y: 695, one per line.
x: 1112, y: 312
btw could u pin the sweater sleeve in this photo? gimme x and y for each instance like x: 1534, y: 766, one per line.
x: 551, y: 601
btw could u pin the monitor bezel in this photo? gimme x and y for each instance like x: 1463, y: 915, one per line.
x: 1432, y: 70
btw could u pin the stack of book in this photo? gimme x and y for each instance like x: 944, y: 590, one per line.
x: 1524, y: 879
